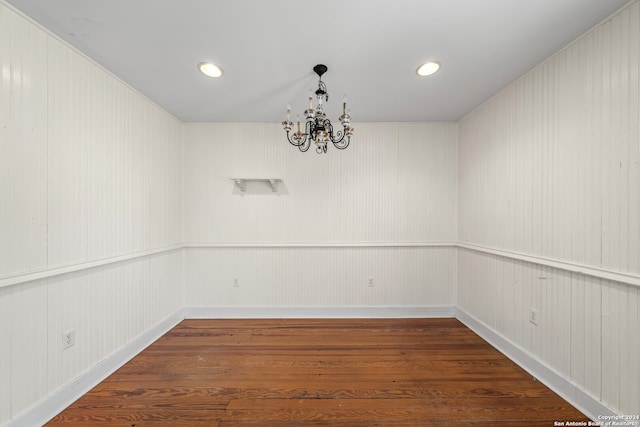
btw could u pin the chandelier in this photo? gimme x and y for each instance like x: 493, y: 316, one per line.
x: 318, y: 128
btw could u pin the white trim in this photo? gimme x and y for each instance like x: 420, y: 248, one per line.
x: 309, y: 245
x: 626, y: 278
x: 44, y: 411
x: 557, y: 382
x: 601, y: 273
x: 317, y: 312
x: 51, y: 272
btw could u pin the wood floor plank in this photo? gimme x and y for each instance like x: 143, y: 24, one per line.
x: 233, y: 389
x: 395, y: 409
x: 132, y: 417
x: 319, y: 372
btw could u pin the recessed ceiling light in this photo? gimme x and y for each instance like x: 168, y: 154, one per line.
x: 428, y: 68
x: 209, y: 69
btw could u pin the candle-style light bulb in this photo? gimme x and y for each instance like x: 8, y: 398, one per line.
x: 298, y: 124
x: 344, y: 105
x: 288, y: 111
x: 310, y: 100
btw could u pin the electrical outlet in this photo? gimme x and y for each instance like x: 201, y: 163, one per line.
x: 371, y: 282
x: 235, y: 282
x: 68, y: 338
x: 533, y: 316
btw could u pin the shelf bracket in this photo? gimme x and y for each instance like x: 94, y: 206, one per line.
x: 271, y: 182
x: 241, y: 183
x: 274, y: 185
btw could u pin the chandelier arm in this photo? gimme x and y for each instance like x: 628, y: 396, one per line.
x: 340, y: 142
x: 293, y: 140
x: 343, y: 143
x: 339, y: 136
x: 304, y: 146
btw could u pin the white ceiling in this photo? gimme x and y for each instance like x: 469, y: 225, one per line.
x: 267, y: 49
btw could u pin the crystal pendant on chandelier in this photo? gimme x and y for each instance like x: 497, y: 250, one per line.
x: 318, y: 128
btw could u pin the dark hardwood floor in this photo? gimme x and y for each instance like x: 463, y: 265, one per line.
x: 324, y: 372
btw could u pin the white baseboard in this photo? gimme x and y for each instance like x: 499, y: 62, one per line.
x: 561, y: 385
x: 316, y: 312
x: 44, y: 411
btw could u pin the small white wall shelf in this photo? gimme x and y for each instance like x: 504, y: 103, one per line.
x: 242, y: 182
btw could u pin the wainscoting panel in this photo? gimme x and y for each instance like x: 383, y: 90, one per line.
x: 102, y: 318
x: 621, y: 347
x: 5, y: 354
x: 26, y: 331
x: 320, y: 276
x: 107, y: 307
x: 588, y: 329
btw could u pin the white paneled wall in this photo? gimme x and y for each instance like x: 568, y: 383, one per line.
x: 114, y: 165
x: 587, y: 328
x: 107, y: 307
x: 550, y: 168
x: 396, y: 183
x: 324, y: 277
x: 23, y: 145
x: 89, y: 170
x: 115, y: 304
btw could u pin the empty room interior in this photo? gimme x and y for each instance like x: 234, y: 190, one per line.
x: 318, y: 178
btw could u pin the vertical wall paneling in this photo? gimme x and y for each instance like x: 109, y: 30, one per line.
x: 633, y: 142
x: 104, y: 321
x: 23, y: 165
x: 549, y: 168
x: 5, y: 353
x: 89, y: 171
x: 323, y: 277
x: 586, y: 335
x: 28, y: 345
x: 396, y: 183
x: 557, y: 154
x: 621, y: 342
x: 68, y: 138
